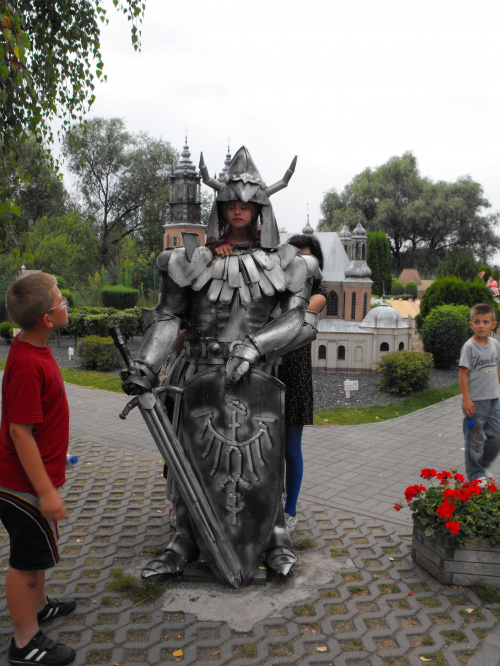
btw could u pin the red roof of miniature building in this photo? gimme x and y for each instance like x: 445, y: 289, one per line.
x: 409, y: 275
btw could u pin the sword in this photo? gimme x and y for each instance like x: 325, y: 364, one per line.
x: 158, y: 423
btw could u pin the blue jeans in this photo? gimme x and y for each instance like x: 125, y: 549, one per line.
x: 482, y: 441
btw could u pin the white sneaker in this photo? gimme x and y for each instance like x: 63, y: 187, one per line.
x: 482, y: 481
x: 290, y: 522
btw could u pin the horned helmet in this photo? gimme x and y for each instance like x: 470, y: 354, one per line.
x: 243, y: 181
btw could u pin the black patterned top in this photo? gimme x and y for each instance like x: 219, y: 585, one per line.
x: 296, y: 374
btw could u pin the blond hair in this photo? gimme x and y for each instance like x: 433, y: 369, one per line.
x: 29, y: 298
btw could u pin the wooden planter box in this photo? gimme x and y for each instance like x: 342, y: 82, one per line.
x: 453, y: 565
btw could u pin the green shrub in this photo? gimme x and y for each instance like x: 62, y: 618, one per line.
x: 404, y: 372
x: 453, y: 291
x: 397, y: 287
x: 68, y: 295
x: 98, y: 353
x: 61, y: 282
x: 96, y: 321
x: 411, y: 288
x: 119, y: 297
x: 6, y: 331
x: 444, y: 332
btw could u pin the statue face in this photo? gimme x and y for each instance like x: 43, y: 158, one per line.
x: 238, y: 214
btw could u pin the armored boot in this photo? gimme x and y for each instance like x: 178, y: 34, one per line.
x: 180, y: 551
x: 279, y: 554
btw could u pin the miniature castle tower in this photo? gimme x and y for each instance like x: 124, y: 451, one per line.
x: 185, y: 203
x: 345, y: 239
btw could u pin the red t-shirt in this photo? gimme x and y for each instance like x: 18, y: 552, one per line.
x: 33, y: 392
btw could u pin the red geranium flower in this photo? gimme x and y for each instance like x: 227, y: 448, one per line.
x: 413, y: 491
x: 459, y: 477
x: 444, y: 475
x: 492, y: 488
x: 445, y: 510
x: 398, y: 506
x: 453, y: 526
x: 428, y: 473
x: 450, y: 493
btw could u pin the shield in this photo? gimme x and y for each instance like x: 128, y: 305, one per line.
x: 234, y: 440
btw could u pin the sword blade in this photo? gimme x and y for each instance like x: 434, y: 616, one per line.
x: 190, y: 489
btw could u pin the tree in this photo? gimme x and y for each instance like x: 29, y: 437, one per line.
x: 41, y: 193
x: 458, y: 261
x: 419, y: 217
x: 65, y: 246
x: 123, y: 179
x: 49, y: 60
x: 378, y: 258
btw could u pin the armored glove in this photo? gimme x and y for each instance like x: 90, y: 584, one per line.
x: 139, y: 381
x: 242, y: 356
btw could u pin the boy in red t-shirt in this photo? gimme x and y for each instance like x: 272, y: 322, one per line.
x: 33, y: 448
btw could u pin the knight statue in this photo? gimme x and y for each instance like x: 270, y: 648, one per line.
x: 242, y: 300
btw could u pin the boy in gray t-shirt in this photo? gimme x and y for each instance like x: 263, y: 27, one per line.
x: 479, y: 379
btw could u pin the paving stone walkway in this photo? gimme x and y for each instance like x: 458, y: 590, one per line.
x: 357, y: 597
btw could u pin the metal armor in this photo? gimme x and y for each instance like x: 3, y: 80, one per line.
x: 241, y: 313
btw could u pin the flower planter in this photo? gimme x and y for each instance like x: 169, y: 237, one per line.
x: 455, y: 565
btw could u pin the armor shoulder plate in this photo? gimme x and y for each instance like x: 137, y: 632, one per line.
x: 182, y: 271
x: 163, y: 259
x: 313, y: 269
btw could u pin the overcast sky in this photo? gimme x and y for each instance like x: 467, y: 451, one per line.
x: 343, y: 84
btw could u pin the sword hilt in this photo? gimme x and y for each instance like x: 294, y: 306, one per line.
x: 129, y: 407
x: 119, y: 340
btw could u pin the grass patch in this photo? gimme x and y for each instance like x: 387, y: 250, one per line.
x: 359, y: 415
x: 137, y: 590
x: 454, y: 636
x: 304, y: 544
x: 487, y: 593
x: 99, y: 657
x: 97, y: 380
x: 306, y: 609
x: 245, y: 652
x: 335, y: 416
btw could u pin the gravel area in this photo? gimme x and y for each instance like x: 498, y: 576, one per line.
x: 328, y: 386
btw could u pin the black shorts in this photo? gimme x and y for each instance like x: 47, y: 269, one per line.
x: 33, y: 538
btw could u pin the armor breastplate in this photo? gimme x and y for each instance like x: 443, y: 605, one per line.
x: 233, y: 296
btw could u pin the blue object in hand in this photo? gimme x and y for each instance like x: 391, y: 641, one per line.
x: 470, y: 423
x: 71, y: 460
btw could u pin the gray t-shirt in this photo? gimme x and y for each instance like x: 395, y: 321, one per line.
x: 482, y: 362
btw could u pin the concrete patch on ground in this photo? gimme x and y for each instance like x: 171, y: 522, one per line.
x: 243, y: 608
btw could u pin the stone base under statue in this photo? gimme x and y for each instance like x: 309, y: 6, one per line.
x: 200, y: 572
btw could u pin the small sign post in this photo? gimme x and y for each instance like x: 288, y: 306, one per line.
x: 350, y: 385
x: 71, y: 351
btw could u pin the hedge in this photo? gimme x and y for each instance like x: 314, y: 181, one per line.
x: 97, y: 321
x: 119, y: 297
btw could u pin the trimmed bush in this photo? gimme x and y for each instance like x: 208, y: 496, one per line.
x: 6, y: 331
x: 119, y: 297
x: 97, y: 353
x: 397, y: 287
x: 444, y: 332
x: 411, y: 288
x: 453, y: 291
x: 404, y: 372
x: 68, y: 295
x: 96, y: 321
